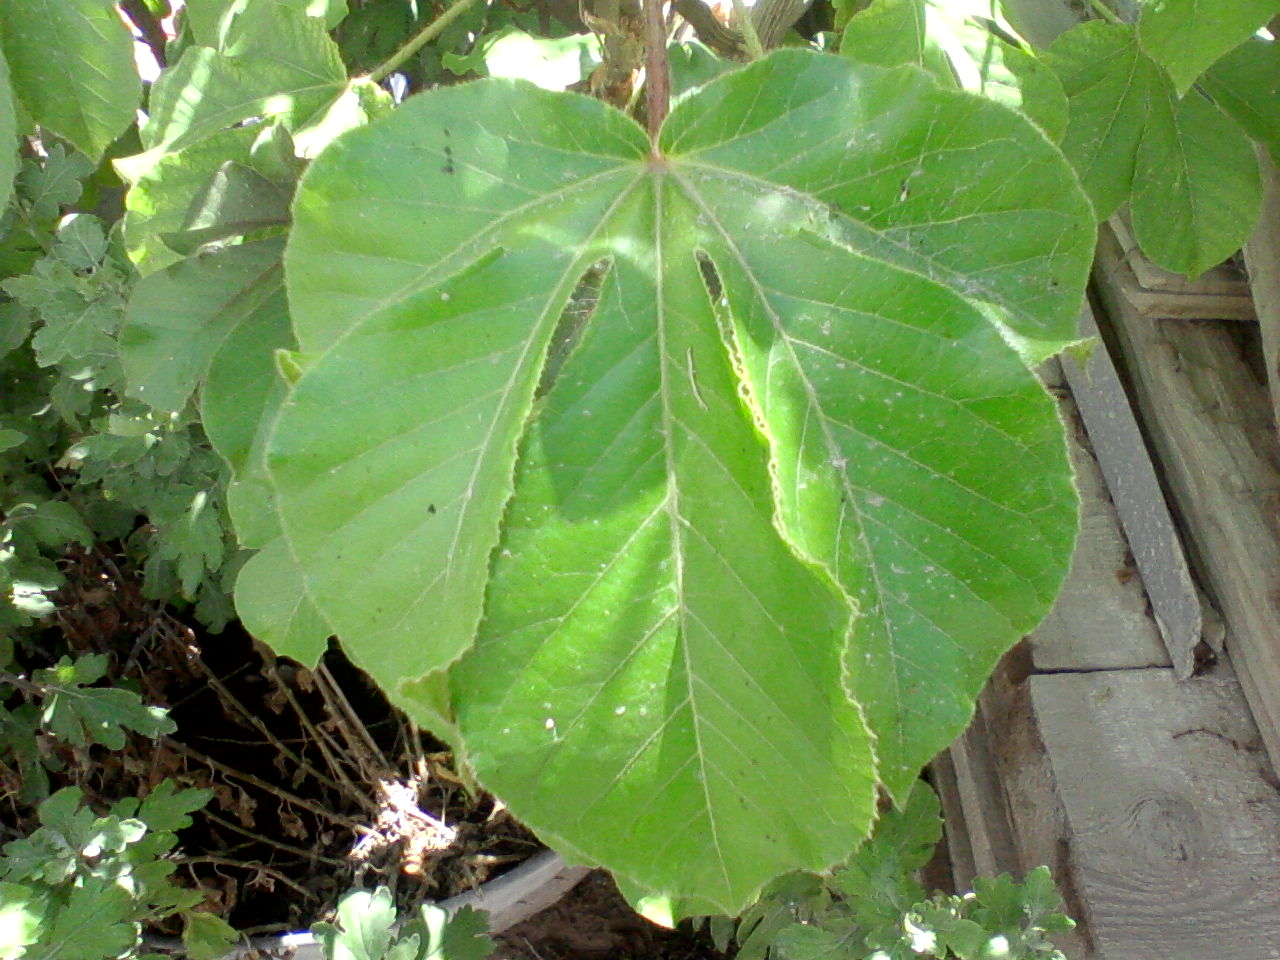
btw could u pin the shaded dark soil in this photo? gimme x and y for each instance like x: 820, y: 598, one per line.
x: 319, y: 785
x: 594, y: 922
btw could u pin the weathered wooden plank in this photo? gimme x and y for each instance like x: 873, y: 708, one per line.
x: 1178, y: 298
x: 942, y: 774
x: 1099, y: 620
x: 1173, y: 812
x: 1209, y: 422
x: 991, y: 838
x: 1139, y: 505
x: 1224, y: 280
x: 1262, y: 257
x: 1036, y: 816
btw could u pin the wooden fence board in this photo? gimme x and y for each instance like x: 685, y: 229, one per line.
x: 1139, y: 502
x: 1173, y: 813
x: 1204, y: 299
x: 1208, y: 419
x: 1099, y: 620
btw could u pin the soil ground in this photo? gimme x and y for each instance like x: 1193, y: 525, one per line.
x: 318, y: 785
x: 594, y: 922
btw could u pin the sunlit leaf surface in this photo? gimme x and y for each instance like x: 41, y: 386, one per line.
x: 778, y: 452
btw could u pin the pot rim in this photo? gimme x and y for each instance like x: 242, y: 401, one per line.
x: 515, y: 896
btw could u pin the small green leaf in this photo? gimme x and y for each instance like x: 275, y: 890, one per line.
x: 1197, y: 190
x: 206, y: 936
x: 889, y: 33
x: 166, y: 807
x: 93, y: 923
x: 364, y: 926
x: 1187, y: 36
x: 797, y: 941
x: 1110, y: 86
x: 272, y: 62
x: 553, y: 64
x: 959, y: 45
x: 80, y: 714
x: 53, y: 523
x: 693, y: 65
x: 50, y: 186
x: 463, y: 936
x: 88, y: 93
x: 22, y: 917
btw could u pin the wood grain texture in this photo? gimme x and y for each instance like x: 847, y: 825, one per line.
x: 1174, y: 818
x: 1099, y: 620
x: 1209, y: 422
x: 1221, y: 293
x: 1139, y: 507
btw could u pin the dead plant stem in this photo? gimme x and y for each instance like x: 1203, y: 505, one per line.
x: 308, y: 855
x: 317, y: 808
x: 231, y: 700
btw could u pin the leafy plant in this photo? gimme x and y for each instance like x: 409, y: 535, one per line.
x: 653, y: 468
x: 874, y: 908
x: 366, y: 929
x: 1155, y: 116
x: 81, y: 886
x: 770, y: 419
x: 788, y: 302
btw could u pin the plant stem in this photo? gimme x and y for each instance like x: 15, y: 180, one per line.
x: 423, y: 37
x: 152, y: 33
x: 748, y: 28
x: 1105, y: 12
x: 657, y: 84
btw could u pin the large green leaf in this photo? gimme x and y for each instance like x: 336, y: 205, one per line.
x: 789, y: 394
x: 959, y: 44
x: 1187, y: 36
x: 179, y: 317
x: 210, y: 325
x: 71, y: 63
x: 273, y: 62
x: 1197, y: 191
x: 8, y: 135
x: 1111, y: 86
x: 1246, y: 85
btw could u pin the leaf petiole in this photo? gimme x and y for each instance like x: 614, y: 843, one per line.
x: 420, y: 40
x: 743, y: 16
x: 1105, y: 12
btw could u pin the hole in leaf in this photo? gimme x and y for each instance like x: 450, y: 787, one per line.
x: 573, y: 321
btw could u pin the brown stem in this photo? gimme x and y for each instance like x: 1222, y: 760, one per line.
x: 232, y: 703
x: 251, y: 865
x: 317, y: 808
x: 722, y: 39
x: 657, y: 81
x: 311, y: 856
x: 148, y: 26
